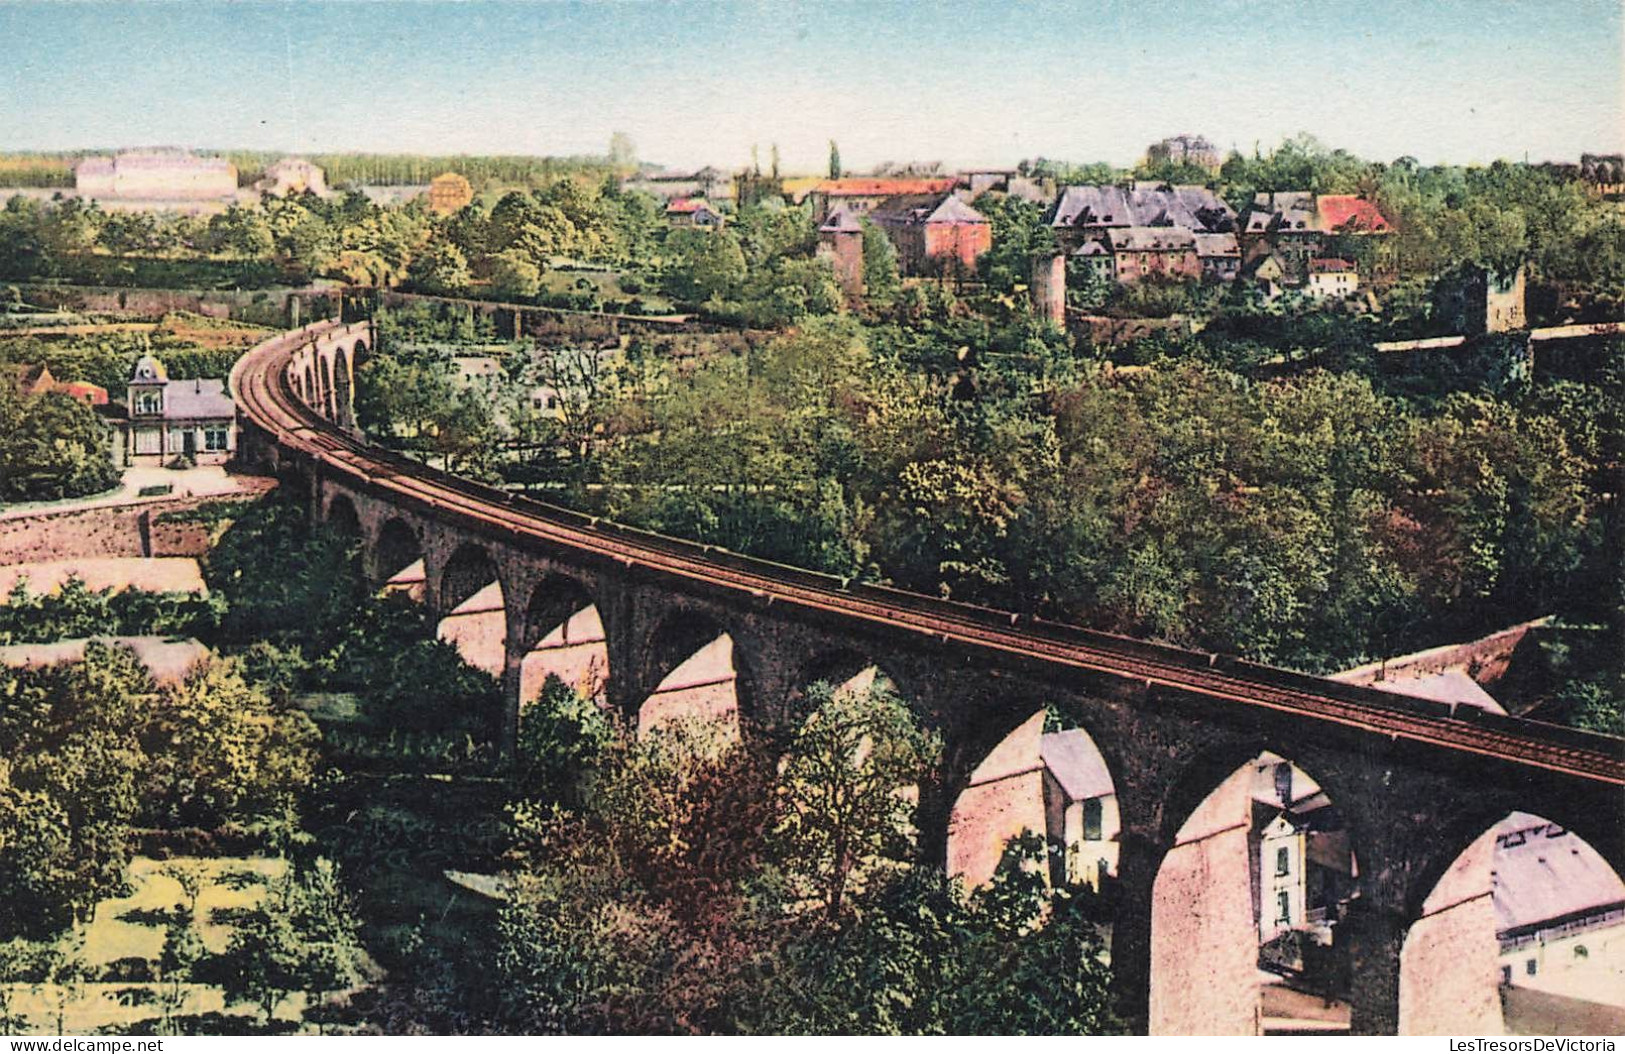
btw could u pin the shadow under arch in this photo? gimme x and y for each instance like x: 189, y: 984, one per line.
x: 698, y: 672
x: 343, y: 387
x: 469, y: 600
x: 563, y: 636
x: 1523, y: 932
x: 341, y: 516
x: 397, y: 562
x: 1247, y: 902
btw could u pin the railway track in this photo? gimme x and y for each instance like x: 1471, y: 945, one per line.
x: 265, y: 398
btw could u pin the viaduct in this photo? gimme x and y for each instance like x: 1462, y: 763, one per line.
x: 1419, y: 783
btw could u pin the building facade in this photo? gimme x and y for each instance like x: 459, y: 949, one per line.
x: 167, y: 419
x: 292, y: 175
x: 156, y: 175
x: 933, y: 233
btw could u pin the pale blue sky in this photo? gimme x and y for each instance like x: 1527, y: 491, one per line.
x: 974, y: 82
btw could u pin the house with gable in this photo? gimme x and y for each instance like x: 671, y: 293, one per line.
x: 933, y: 233
x: 168, y: 419
x: 1081, y: 819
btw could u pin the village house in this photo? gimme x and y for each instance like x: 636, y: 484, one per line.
x: 840, y: 241
x: 292, y: 175
x: 37, y: 380
x: 1081, y: 820
x: 1220, y: 256
x: 1303, y: 866
x: 1295, y: 225
x: 862, y: 194
x: 194, y: 419
x: 1559, y: 912
x: 1129, y: 254
x: 693, y: 212
x: 933, y: 233
x: 1331, y: 278
x: 1086, y: 212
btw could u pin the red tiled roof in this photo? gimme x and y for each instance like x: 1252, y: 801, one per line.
x: 850, y: 188
x: 1329, y: 265
x: 685, y: 205
x: 1339, y: 211
x: 94, y: 394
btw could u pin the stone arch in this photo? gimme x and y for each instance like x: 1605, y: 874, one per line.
x: 469, y: 598
x: 310, y: 393
x: 1527, y: 916
x: 397, y: 558
x: 562, y: 635
x: 696, y: 670
x: 1056, y: 784
x: 839, y: 668
x: 343, y: 387
x: 341, y: 516
x: 1248, y: 900
x: 327, y: 367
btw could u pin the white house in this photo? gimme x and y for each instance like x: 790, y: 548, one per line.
x: 1080, y: 809
x: 167, y: 419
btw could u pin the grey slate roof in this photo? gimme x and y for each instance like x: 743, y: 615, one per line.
x: 1142, y: 204
x: 1283, y: 210
x: 1072, y: 758
x: 909, y: 209
x: 1543, y: 872
x: 1217, y: 244
x: 190, y: 400
x: 841, y: 220
x: 1152, y: 239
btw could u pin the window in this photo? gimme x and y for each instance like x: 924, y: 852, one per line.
x: 1581, y: 952
x: 1529, y: 967
x: 1283, y: 910
x: 149, y: 403
x: 216, y: 437
x: 1091, y: 819
x: 1283, y: 861
x: 1506, y: 975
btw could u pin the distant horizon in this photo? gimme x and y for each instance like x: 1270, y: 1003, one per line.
x: 973, y: 83
x: 785, y: 171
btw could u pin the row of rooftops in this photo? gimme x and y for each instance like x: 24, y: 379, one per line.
x: 1142, y: 204
x: 904, y: 210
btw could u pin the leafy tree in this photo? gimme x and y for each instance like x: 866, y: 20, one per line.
x: 842, y: 776
x: 441, y: 269
x: 302, y: 937
x: 53, y: 447
x: 178, y: 967
x: 880, y: 277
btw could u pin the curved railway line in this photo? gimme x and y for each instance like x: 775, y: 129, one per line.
x: 267, y: 401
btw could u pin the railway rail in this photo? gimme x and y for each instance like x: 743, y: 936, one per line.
x: 267, y: 400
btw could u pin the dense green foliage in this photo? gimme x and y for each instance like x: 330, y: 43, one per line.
x: 95, y: 749
x: 296, y: 600
x: 74, y: 610
x: 1317, y: 515
x: 51, y: 446
x: 698, y: 888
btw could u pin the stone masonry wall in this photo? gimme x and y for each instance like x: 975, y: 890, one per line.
x: 134, y: 529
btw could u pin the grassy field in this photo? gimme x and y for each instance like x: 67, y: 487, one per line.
x: 129, y: 930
